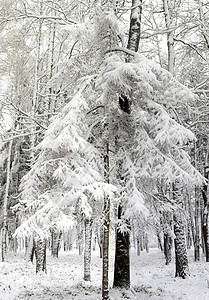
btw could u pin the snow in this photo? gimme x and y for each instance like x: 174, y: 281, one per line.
x: 150, y: 277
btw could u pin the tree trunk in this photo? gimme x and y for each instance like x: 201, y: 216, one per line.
x: 55, y: 242
x: 170, y: 39
x: 160, y: 243
x: 146, y: 242
x: 80, y: 236
x: 122, y: 257
x: 167, y: 248
x: 67, y: 241
x: 135, y: 25
x: 197, y: 231
x: 105, y: 269
x: 166, y: 223
x: 138, y: 246
x: 205, y: 229
x: 30, y: 251
x: 197, y: 216
x: 141, y: 241
x: 182, y: 268
x: 94, y: 243
x: 5, y: 204
x: 87, y: 250
x: 106, y: 233
x: 40, y: 253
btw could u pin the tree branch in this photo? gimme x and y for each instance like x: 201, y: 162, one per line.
x: 188, y: 44
x: 121, y: 49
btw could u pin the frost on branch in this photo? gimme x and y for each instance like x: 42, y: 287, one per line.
x: 153, y: 142
x: 67, y: 177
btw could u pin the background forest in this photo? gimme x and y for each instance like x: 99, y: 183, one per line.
x: 104, y: 109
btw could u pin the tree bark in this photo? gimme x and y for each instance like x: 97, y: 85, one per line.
x: 31, y: 249
x: 135, y: 25
x: 40, y: 253
x: 197, y: 229
x: 122, y: 257
x: 205, y: 229
x: 166, y: 224
x: 160, y: 244
x: 106, y: 231
x: 105, y: 269
x: 55, y: 242
x: 182, y: 268
x: 167, y: 248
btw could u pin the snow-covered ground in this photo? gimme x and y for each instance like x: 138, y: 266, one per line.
x: 150, y: 278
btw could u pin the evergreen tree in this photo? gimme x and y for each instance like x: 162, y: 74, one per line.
x: 66, y: 179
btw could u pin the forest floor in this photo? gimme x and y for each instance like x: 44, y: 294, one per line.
x: 150, y: 279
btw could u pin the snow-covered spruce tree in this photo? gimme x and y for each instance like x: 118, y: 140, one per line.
x: 150, y: 142
x: 65, y: 180
x: 122, y: 117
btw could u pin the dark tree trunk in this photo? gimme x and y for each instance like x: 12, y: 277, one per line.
x: 40, y: 252
x: 167, y: 248
x: 135, y: 25
x: 138, y: 246
x: 106, y: 230
x: 182, y: 268
x: 146, y: 242
x: 197, y: 228
x: 141, y: 242
x: 55, y: 242
x: 166, y: 223
x: 32, y: 253
x: 160, y: 243
x: 29, y: 248
x: 122, y: 257
x: 105, y: 269
x: 205, y: 229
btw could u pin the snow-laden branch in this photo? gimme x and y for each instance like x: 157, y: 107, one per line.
x: 21, y: 135
x: 121, y: 49
x: 38, y: 17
